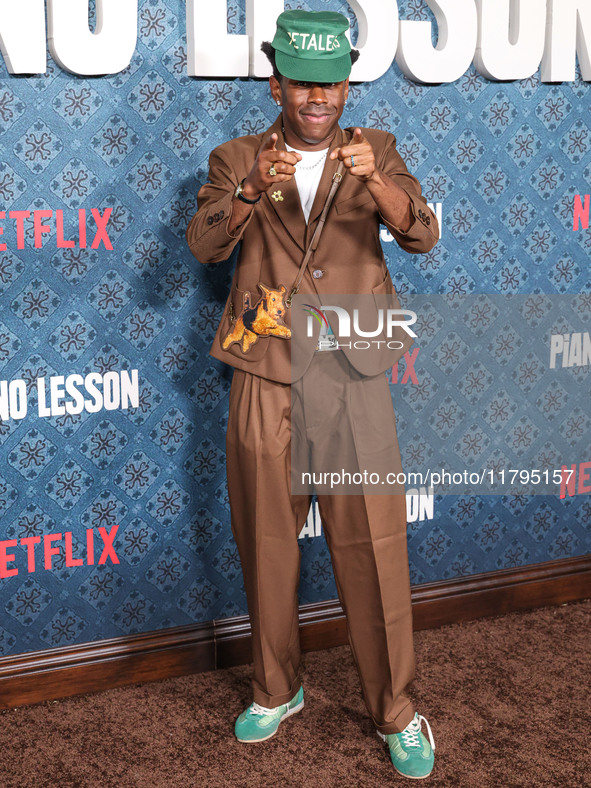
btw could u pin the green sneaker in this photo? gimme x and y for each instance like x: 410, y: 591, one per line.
x: 411, y: 753
x: 258, y: 723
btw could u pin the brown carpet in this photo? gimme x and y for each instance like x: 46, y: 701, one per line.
x: 507, y: 699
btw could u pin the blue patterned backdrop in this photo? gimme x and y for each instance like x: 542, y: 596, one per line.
x: 505, y: 160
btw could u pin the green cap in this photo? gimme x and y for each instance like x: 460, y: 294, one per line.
x: 312, y: 46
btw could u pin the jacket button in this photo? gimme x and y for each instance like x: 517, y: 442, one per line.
x: 221, y: 214
x: 210, y: 220
x: 317, y: 273
x: 428, y: 220
x: 216, y: 217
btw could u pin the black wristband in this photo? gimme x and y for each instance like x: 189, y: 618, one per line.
x: 238, y: 193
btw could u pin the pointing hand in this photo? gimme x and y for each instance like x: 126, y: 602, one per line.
x: 357, y: 155
x: 271, y: 166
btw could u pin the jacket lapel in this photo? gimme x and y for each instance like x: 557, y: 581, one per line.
x: 330, y: 167
x: 286, y: 202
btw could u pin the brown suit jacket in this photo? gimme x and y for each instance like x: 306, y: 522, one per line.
x: 275, y: 236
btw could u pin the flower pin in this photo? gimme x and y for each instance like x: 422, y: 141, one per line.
x: 277, y: 196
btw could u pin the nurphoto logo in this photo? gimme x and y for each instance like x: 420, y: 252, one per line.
x: 388, y: 321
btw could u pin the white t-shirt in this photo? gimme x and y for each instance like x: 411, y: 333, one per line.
x: 308, y: 172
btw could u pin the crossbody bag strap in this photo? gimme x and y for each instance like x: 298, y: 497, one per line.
x: 336, y: 180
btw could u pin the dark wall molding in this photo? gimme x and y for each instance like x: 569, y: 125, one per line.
x: 70, y: 670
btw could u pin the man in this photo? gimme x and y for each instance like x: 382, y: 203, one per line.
x: 268, y: 192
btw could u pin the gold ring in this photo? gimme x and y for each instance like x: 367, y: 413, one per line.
x: 272, y: 170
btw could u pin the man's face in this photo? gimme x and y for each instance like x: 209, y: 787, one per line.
x: 311, y: 110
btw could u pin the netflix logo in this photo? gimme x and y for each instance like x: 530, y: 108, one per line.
x: 40, y: 550
x: 581, y: 212
x: 42, y: 223
x: 572, y: 485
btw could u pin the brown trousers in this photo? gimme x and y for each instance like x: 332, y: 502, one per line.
x: 366, y: 536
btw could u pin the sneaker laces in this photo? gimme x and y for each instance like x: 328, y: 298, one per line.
x: 255, y: 708
x: 410, y: 735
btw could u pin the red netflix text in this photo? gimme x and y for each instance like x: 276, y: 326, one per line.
x: 581, y: 212
x: 40, y: 550
x: 409, y: 371
x: 78, y: 237
x: 571, y: 484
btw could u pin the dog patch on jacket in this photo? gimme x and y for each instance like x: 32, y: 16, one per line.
x: 264, y: 319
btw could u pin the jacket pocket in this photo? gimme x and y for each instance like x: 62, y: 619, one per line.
x: 231, y: 334
x: 344, y: 206
x: 385, y: 287
x: 386, y: 297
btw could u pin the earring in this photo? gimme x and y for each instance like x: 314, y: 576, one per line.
x: 278, y: 103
